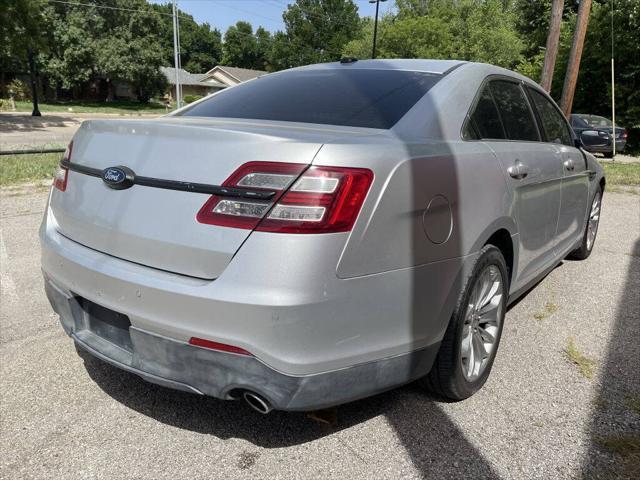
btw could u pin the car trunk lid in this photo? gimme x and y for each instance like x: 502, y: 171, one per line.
x: 156, y: 226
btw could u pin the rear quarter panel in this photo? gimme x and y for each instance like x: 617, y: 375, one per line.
x: 461, y: 181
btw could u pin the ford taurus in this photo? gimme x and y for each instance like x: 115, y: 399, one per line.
x: 318, y: 235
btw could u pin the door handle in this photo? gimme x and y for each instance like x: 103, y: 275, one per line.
x: 518, y: 171
x: 569, y: 165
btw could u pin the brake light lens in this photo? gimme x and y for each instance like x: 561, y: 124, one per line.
x: 241, y: 213
x: 624, y: 134
x: 323, y: 200
x: 60, y: 178
x: 320, y: 200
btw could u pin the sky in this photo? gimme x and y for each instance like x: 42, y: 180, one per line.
x: 266, y: 13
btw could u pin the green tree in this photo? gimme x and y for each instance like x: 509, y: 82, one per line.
x: 22, y: 26
x: 89, y: 43
x: 240, y: 48
x: 480, y: 31
x: 201, y: 46
x: 264, y: 42
x: 593, y: 92
x: 315, y: 31
x: 130, y: 52
x: 71, y: 58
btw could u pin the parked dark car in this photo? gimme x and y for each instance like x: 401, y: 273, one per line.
x: 595, y: 133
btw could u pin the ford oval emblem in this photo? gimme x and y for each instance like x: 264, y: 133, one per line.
x: 118, y: 178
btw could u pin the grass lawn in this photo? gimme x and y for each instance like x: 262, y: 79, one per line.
x: 27, y: 168
x: 118, y: 107
x: 621, y: 173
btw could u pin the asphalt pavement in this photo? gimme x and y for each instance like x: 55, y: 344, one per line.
x: 56, y: 129
x: 537, y: 416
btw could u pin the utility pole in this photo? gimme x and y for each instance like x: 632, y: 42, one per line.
x: 375, y: 26
x: 613, y: 89
x: 176, y: 55
x: 571, y: 77
x: 552, y: 45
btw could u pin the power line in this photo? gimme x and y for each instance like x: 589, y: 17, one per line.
x: 152, y: 11
x: 148, y: 12
x: 108, y: 7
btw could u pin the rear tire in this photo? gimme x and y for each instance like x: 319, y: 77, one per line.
x: 475, y: 327
x: 590, y: 229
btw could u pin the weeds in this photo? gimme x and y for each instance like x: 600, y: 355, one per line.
x: 585, y: 365
x: 549, y: 309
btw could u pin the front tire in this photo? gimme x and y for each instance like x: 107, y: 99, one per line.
x: 591, y: 229
x: 471, y: 341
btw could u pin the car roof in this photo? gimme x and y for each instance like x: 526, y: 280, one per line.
x: 414, y: 65
x: 440, y: 67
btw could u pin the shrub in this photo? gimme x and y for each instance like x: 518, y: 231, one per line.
x: 20, y: 89
x: 191, y: 98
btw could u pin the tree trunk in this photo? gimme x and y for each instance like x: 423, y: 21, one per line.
x: 553, y: 39
x: 571, y: 77
x: 32, y: 80
x: 110, y: 91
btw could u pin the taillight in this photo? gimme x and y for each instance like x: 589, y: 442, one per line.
x: 60, y: 178
x: 243, y: 213
x: 624, y: 134
x: 321, y: 200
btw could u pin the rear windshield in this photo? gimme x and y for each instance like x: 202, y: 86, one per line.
x: 350, y: 97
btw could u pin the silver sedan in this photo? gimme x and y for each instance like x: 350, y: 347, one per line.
x: 318, y: 235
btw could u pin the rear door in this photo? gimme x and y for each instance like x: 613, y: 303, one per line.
x: 533, y: 170
x: 575, y: 180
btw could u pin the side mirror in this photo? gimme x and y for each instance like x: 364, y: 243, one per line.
x: 594, y: 138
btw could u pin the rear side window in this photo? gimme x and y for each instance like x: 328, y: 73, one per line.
x: 350, y: 97
x: 555, y: 127
x: 514, y: 111
x: 485, y: 119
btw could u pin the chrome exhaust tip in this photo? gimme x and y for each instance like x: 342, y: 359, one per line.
x: 256, y: 402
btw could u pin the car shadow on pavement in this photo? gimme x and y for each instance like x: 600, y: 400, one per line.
x: 434, y: 443
x: 614, y: 450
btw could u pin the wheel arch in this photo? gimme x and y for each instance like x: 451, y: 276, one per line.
x: 504, y: 242
x: 501, y: 234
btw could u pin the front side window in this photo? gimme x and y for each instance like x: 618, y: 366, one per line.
x: 514, y: 111
x: 350, y: 97
x: 553, y: 123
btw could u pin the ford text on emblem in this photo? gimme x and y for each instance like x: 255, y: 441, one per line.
x: 118, y: 178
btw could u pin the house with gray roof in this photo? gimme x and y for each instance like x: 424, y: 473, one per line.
x: 192, y: 83
x: 203, y: 84
x: 230, y: 76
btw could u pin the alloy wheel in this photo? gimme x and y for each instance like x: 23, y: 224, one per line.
x: 594, y: 219
x: 482, y: 322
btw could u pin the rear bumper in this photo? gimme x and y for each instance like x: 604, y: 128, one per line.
x: 316, y: 339
x: 181, y: 366
x: 620, y: 144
